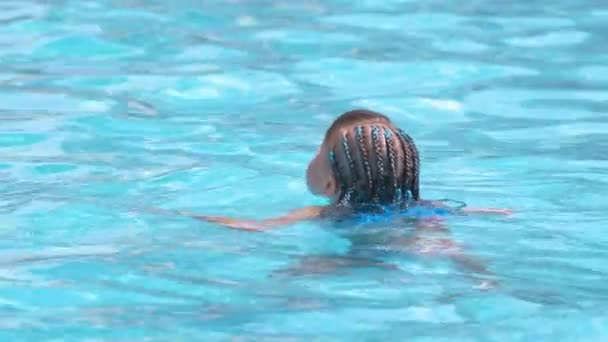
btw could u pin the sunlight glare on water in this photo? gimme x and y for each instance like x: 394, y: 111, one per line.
x: 108, y: 107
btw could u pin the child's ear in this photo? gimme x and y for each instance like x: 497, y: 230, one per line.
x: 331, y: 187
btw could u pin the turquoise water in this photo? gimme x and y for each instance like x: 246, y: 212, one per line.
x: 107, y: 107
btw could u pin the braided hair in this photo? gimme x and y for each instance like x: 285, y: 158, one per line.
x: 375, y: 163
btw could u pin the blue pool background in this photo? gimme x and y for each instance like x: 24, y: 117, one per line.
x: 107, y: 107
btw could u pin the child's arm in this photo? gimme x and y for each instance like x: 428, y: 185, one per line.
x: 306, y: 213
x: 500, y: 211
x: 465, y: 210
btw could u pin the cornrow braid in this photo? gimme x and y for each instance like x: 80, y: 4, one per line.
x: 380, y: 188
x: 391, y: 159
x: 411, y: 164
x: 416, y: 182
x: 368, y: 171
x: 349, y: 159
x: 342, y: 173
x: 346, y: 198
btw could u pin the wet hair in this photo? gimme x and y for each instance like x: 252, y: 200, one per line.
x: 374, y: 162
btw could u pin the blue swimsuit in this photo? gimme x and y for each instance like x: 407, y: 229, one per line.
x: 421, y: 210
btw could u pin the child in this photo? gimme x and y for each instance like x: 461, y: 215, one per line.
x: 364, y: 165
x: 367, y: 166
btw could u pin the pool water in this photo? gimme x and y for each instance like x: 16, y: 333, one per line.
x: 110, y: 107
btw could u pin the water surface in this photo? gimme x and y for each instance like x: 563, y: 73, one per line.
x: 217, y: 106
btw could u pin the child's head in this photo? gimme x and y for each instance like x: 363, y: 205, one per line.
x: 364, y: 159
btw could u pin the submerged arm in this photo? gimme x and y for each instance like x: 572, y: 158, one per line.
x: 499, y: 211
x: 450, y: 248
x: 467, y: 210
x: 306, y: 213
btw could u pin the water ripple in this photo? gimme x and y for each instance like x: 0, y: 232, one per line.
x: 111, y: 107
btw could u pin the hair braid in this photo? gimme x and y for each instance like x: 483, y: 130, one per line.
x: 379, y: 163
x: 364, y: 154
x: 390, y: 146
x: 349, y: 159
x: 416, y: 164
x: 410, y: 163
